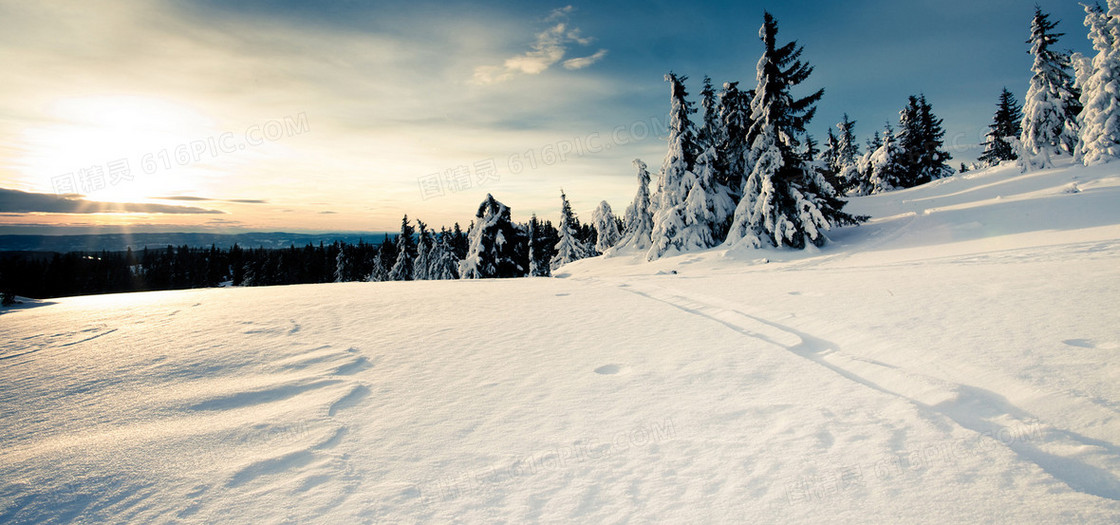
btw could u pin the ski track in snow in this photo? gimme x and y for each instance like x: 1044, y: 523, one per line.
x: 976, y: 409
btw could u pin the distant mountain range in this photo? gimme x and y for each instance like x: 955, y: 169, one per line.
x: 138, y: 241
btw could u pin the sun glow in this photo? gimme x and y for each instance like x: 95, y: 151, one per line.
x: 109, y: 147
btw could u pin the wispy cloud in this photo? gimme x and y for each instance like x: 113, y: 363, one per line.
x: 191, y: 198
x: 550, y: 47
x: 15, y: 201
x: 582, y: 62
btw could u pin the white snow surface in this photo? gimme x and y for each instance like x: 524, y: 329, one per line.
x: 957, y: 359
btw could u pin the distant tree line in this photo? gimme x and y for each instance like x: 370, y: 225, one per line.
x: 409, y: 255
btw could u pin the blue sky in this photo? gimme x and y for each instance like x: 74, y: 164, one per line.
x: 342, y: 116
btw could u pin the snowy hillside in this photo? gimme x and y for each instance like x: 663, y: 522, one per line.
x: 955, y: 359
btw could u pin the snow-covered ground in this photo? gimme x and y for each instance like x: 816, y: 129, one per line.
x: 956, y: 359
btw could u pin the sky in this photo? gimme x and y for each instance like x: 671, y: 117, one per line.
x: 300, y: 116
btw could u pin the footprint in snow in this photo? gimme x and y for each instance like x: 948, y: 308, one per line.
x: 608, y: 370
x: 1080, y: 343
x: 1089, y: 343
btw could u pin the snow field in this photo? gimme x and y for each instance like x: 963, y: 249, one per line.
x: 954, y: 360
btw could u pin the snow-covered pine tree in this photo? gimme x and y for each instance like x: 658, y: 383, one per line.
x: 1052, y: 104
x: 847, y: 156
x: 492, y: 244
x: 1100, y: 84
x: 713, y: 136
x: 1006, y: 126
x: 830, y: 155
x: 443, y: 263
x: 384, y: 260
x: 637, y: 218
x: 406, y: 253
x: 544, y: 248
x: 887, y: 167
x: 606, y: 227
x: 344, y: 264
x: 863, y: 185
x: 786, y: 202
x: 691, y: 207
x: 710, y: 133
x: 735, y: 121
x: 423, y: 253
x: 536, y: 269
x: 920, y: 140
x: 569, y: 248
x: 341, y: 265
x: 933, y: 159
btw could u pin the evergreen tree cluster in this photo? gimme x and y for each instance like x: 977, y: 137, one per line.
x: 900, y: 157
x: 1072, y: 106
x: 744, y: 171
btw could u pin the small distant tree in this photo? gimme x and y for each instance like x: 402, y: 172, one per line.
x: 341, y: 265
x: 1004, y: 130
x: 606, y: 227
x: 443, y: 263
x: 886, y: 168
x: 847, y: 156
x: 921, y: 140
x: 406, y: 253
x: 423, y: 259
x: 569, y: 248
x: 383, y: 263
x: 638, y: 219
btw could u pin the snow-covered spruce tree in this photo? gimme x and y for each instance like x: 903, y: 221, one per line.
x: 606, y: 227
x: 545, y: 239
x: 886, y: 167
x: 1100, y: 84
x: 341, y: 265
x: 829, y: 157
x: 735, y: 121
x: 423, y: 253
x: 637, y: 218
x: 863, y: 185
x: 786, y: 202
x: 569, y: 248
x: 1006, y: 126
x: 691, y: 208
x: 406, y: 253
x: 443, y: 264
x: 536, y: 269
x: 383, y: 263
x: 1052, y: 104
x: 920, y: 139
x: 710, y: 133
x: 847, y: 156
x: 492, y: 244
